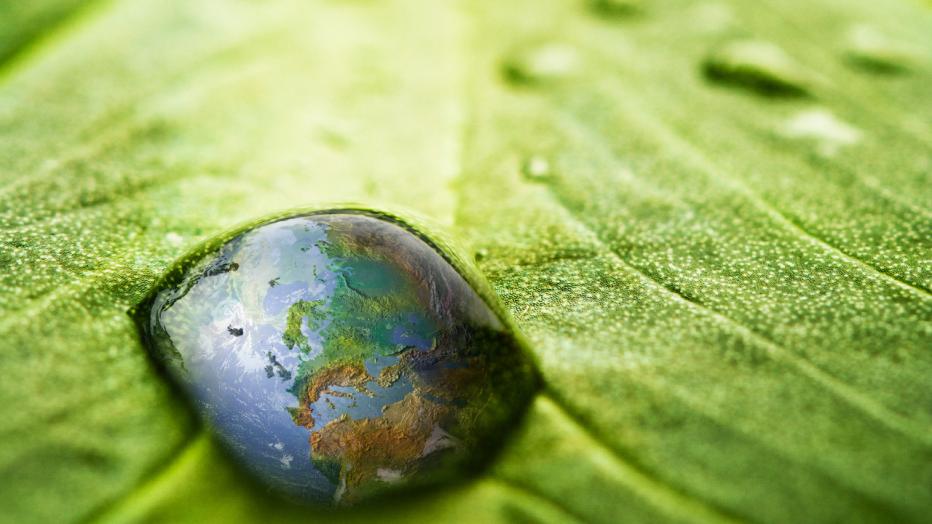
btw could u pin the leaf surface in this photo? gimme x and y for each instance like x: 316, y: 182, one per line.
x: 727, y: 287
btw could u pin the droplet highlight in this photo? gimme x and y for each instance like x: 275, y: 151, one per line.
x: 339, y: 355
x: 758, y: 66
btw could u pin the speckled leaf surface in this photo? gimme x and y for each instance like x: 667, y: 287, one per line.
x: 711, y: 220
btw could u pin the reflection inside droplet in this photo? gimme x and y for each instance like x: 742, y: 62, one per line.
x: 339, y: 354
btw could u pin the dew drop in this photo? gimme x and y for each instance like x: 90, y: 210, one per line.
x: 615, y: 8
x: 339, y: 355
x: 542, y: 63
x: 872, y: 50
x: 758, y: 66
x: 821, y: 127
x: 536, y: 168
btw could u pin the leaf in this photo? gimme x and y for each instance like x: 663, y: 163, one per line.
x: 728, y: 292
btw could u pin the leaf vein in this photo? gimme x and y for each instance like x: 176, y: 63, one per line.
x: 841, y: 390
x: 710, y: 169
x: 655, y: 492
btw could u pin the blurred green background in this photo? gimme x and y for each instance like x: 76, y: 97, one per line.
x: 711, y: 219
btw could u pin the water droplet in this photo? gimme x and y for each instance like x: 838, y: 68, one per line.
x: 759, y: 66
x: 542, y: 63
x: 536, y: 168
x: 615, y: 8
x: 823, y: 128
x: 874, y: 51
x: 481, y: 254
x: 339, y: 355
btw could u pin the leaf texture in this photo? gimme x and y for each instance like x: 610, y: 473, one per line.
x: 727, y: 287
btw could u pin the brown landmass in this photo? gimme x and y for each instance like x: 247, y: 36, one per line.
x: 394, y: 441
x: 389, y: 375
x: 347, y: 375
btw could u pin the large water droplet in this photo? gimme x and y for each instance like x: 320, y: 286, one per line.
x: 759, y: 66
x: 339, y: 355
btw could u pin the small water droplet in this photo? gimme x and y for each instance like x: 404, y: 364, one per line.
x: 759, y: 66
x: 820, y: 126
x: 543, y: 63
x: 481, y: 254
x: 615, y: 8
x: 339, y: 355
x: 874, y: 51
x: 536, y: 168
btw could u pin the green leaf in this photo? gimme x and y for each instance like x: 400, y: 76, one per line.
x: 727, y: 289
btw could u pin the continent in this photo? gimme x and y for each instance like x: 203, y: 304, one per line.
x: 380, y: 450
x: 346, y: 375
x: 309, y: 311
